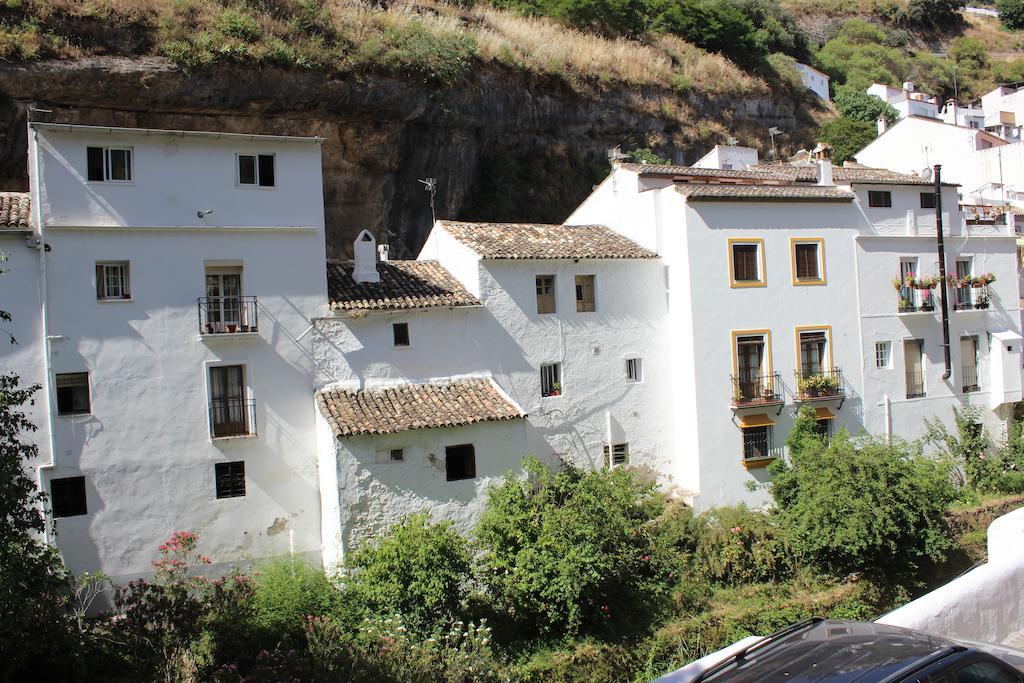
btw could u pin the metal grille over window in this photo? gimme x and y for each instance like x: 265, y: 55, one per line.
x: 545, y: 293
x: 619, y: 455
x: 551, y: 379
x: 913, y: 357
x: 231, y: 413
x: 634, y: 369
x: 744, y: 263
x: 969, y: 364
x: 756, y: 442
x: 400, y: 334
x: 230, y: 478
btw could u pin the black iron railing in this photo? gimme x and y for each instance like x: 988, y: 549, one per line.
x: 970, y: 298
x: 969, y: 378
x: 228, y: 314
x: 232, y: 417
x: 915, y: 385
x: 757, y: 443
x: 755, y: 389
x: 823, y: 383
x: 913, y: 300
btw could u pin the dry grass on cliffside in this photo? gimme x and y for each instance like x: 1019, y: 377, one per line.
x: 426, y: 39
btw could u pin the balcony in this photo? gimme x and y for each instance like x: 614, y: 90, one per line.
x: 227, y: 315
x: 915, y: 385
x: 969, y: 378
x: 913, y: 300
x: 821, y: 385
x: 232, y: 418
x: 970, y: 297
x: 755, y: 390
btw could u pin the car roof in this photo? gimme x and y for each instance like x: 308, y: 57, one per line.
x: 831, y: 651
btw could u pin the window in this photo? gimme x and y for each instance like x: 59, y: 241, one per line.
x: 746, y: 263
x: 969, y: 364
x: 67, y: 497
x: 230, y: 410
x: 551, y: 379
x: 460, y: 462
x: 808, y: 262
x: 545, y: 293
x: 585, y: 298
x: 963, y: 297
x: 927, y: 200
x: 634, y: 369
x: 108, y: 164
x: 230, y: 479
x: 112, y: 281
x: 813, y: 347
x: 400, y: 334
x: 619, y: 455
x: 883, y: 355
x: 73, y: 394
x: 985, y: 672
x: 913, y: 358
x: 256, y: 170
x: 223, y: 310
x: 880, y: 199
x: 753, y: 381
x: 757, y: 442
x: 397, y: 454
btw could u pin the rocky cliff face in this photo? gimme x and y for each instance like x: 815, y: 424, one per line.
x: 502, y: 146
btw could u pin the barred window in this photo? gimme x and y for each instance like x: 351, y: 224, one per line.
x: 619, y: 455
x: 551, y: 379
x: 634, y: 369
x: 230, y: 478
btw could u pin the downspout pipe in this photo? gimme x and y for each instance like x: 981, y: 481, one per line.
x: 941, y: 246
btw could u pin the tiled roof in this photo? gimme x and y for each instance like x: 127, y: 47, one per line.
x: 658, y: 169
x: 14, y: 210
x: 390, y: 410
x: 544, y: 241
x: 804, y: 172
x: 763, y: 193
x: 403, y: 284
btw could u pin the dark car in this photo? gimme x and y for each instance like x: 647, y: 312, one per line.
x: 848, y: 651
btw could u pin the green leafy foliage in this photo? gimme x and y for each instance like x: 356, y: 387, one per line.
x: 847, y: 137
x: 573, y: 552
x: 863, y: 507
x: 417, y: 569
x: 288, y: 590
x: 738, y: 546
x: 644, y: 155
x: 1011, y: 13
x: 942, y: 15
x: 860, y: 106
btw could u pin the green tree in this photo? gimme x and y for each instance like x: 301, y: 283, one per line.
x: 1011, y: 13
x: 417, y: 569
x: 969, y: 54
x: 847, y: 137
x: 574, y: 552
x: 860, y: 106
x: 868, y: 507
x: 942, y: 15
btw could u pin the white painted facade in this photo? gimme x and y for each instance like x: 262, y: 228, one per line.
x: 144, y: 445
x: 906, y: 100
x: 814, y: 80
x: 989, y: 170
x: 1004, y: 111
x: 728, y: 157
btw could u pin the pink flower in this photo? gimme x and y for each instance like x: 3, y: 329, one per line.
x: 735, y: 529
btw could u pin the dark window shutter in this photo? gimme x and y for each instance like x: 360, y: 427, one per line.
x: 266, y: 170
x: 246, y: 169
x: 745, y: 262
x: 100, y: 289
x: 95, y: 162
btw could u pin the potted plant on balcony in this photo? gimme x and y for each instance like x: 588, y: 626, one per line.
x: 737, y: 396
x: 556, y: 389
x: 819, y: 385
x: 925, y: 282
x: 985, y: 279
x: 981, y: 300
x: 232, y: 327
x: 898, y: 283
x: 906, y: 305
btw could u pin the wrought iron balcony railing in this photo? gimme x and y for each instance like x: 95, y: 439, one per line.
x: 228, y: 314
x: 232, y: 417
x: 969, y: 378
x: 820, y: 384
x: 970, y: 298
x: 756, y: 389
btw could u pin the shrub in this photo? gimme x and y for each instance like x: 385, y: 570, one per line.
x: 967, y: 449
x: 863, y: 507
x: 847, y: 137
x: 287, y: 591
x: 940, y: 15
x: 860, y: 106
x: 737, y: 546
x: 237, y: 24
x: 417, y: 569
x: 574, y: 552
x: 644, y: 155
x: 1011, y: 13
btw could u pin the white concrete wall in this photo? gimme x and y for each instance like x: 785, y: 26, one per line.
x: 815, y: 81
x: 145, y: 449
x: 376, y: 493
x: 982, y: 605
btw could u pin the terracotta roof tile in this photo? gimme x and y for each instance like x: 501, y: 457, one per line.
x: 390, y: 410
x: 544, y: 241
x: 403, y: 284
x: 14, y: 210
x: 658, y: 169
x: 763, y: 193
x: 855, y: 173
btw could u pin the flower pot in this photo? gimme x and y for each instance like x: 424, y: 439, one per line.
x: 981, y: 304
x: 928, y: 307
x: 232, y: 327
x: 977, y: 285
x: 209, y: 328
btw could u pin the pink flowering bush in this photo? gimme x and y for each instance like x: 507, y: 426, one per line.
x: 735, y: 545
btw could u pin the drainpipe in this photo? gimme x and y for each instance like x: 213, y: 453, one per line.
x: 37, y: 209
x: 942, y: 270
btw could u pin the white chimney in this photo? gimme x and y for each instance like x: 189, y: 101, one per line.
x: 882, y: 125
x: 366, y: 258
x: 383, y: 251
x: 908, y: 86
x: 824, y: 159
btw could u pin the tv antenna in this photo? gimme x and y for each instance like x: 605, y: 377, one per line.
x: 731, y: 141
x: 772, y: 132
x: 430, y: 185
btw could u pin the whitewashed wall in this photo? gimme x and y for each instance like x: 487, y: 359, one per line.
x: 145, y: 449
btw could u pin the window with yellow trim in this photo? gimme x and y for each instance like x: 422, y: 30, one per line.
x: 808, y: 262
x: 746, y: 260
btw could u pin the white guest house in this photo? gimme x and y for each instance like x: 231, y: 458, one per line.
x: 203, y: 369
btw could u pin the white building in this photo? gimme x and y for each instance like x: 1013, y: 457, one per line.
x: 966, y: 116
x: 164, y: 319
x: 1004, y: 111
x: 205, y: 368
x: 816, y: 81
x: 728, y: 157
x: 906, y: 100
x: 989, y: 170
